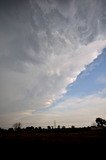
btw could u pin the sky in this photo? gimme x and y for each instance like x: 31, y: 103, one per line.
x: 52, y: 62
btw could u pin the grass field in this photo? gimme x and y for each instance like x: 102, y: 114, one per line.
x: 54, y: 137
x: 75, y: 142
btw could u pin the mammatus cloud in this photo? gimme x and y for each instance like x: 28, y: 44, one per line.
x: 44, y: 46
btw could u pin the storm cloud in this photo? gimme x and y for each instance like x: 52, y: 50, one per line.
x: 44, y: 46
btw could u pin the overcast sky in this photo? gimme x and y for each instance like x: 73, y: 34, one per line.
x: 52, y: 62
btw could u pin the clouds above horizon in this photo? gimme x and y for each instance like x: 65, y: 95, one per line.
x: 78, y: 111
x: 44, y: 46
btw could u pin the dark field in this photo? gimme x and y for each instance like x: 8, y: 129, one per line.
x: 68, y: 139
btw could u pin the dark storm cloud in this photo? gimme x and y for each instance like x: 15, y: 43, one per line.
x: 22, y: 21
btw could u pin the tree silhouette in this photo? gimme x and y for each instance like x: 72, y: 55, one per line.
x: 17, y: 126
x: 100, y: 122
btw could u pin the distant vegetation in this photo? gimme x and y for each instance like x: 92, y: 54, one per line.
x: 101, y: 124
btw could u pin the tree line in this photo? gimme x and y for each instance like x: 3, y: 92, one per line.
x: 100, y: 123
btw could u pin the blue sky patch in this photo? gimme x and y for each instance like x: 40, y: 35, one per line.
x: 91, y: 80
